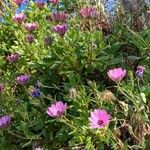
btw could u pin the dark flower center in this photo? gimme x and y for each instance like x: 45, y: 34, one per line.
x: 59, y: 113
x: 100, y: 122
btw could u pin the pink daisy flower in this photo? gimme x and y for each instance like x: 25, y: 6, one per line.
x: 88, y: 12
x: 19, y: 2
x: 99, y: 118
x: 57, y: 109
x: 59, y: 16
x: 54, y: 2
x: 31, y: 26
x: 116, y: 74
x: 19, y: 18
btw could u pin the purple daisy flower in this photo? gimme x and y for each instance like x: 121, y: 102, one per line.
x: 12, y: 58
x: 40, y: 4
x: 5, y: 121
x: 59, y: 16
x: 23, y: 79
x: 31, y: 26
x: 35, y: 92
x: 29, y: 38
x: 61, y: 29
x: 140, y: 71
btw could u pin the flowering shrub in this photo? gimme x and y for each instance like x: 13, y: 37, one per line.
x: 72, y: 80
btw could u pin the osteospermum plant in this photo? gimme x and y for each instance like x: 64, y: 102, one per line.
x: 68, y: 82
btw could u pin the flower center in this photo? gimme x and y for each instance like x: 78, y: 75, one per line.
x: 100, y: 122
x: 59, y: 113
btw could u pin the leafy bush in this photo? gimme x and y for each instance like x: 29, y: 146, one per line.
x: 72, y: 80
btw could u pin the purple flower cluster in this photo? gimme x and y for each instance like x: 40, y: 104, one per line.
x: 60, y: 29
x: 5, y: 121
x: 30, y: 27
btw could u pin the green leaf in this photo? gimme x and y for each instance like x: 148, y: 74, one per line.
x: 143, y: 97
x: 134, y: 57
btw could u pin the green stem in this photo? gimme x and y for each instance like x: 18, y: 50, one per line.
x: 124, y: 93
x: 67, y: 122
x: 14, y: 134
x: 138, y: 84
x: 118, y: 120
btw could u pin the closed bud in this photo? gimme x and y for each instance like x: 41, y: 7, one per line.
x: 73, y: 92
